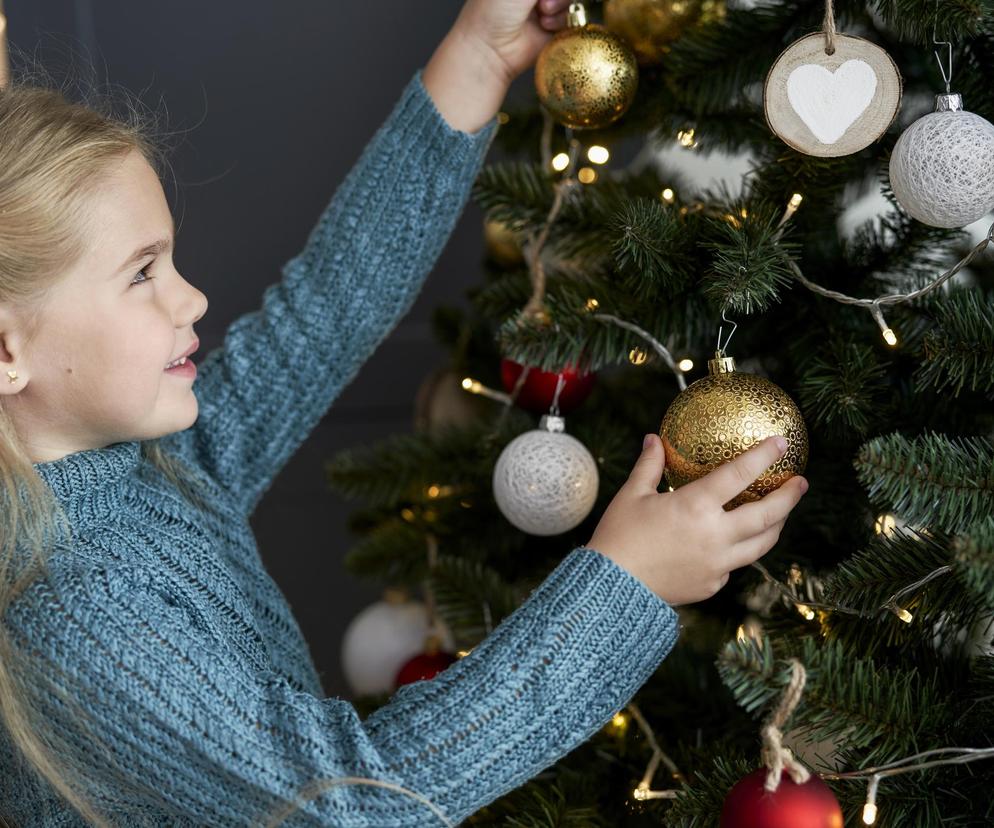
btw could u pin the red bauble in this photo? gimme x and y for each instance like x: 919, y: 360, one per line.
x: 750, y: 805
x: 540, y: 387
x: 424, y: 666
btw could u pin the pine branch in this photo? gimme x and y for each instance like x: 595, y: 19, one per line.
x: 975, y: 559
x: 470, y: 595
x: 651, y: 248
x: 843, y: 389
x: 393, y: 552
x: 959, y: 350
x: 749, y: 264
x: 915, y: 19
x: 886, y: 567
x: 884, y: 712
x: 932, y: 480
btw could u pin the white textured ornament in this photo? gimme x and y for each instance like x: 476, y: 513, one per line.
x: 833, y: 100
x: 942, y: 166
x: 545, y: 481
x: 830, y: 102
x: 382, y: 638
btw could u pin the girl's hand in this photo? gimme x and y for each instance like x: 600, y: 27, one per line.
x: 683, y: 544
x: 489, y: 45
x: 512, y: 31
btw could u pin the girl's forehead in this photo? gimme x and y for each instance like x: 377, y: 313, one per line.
x: 125, y: 212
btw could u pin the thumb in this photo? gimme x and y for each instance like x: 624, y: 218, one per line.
x: 648, y: 470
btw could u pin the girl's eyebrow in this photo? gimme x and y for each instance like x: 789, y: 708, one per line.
x: 151, y: 249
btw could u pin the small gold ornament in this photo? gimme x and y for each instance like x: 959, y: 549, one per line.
x: 720, y: 416
x: 586, y: 76
x: 502, y: 243
x: 650, y: 26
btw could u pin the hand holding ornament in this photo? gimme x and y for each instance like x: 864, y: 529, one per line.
x: 488, y: 46
x: 683, y: 544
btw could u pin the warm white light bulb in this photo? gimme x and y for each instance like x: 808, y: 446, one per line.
x: 598, y: 154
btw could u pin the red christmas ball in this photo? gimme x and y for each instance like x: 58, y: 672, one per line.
x: 540, y: 387
x: 423, y: 666
x: 750, y: 805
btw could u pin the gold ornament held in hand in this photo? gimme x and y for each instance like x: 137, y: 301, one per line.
x: 586, y: 76
x: 720, y: 416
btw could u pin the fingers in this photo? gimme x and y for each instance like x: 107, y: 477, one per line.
x: 752, y: 518
x: 647, y: 472
x: 752, y: 549
x: 552, y: 13
x: 723, y: 483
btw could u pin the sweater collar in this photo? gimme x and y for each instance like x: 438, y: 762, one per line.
x: 87, y: 482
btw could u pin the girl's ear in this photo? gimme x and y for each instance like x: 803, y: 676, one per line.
x: 13, y: 365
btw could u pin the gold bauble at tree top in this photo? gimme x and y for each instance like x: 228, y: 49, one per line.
x: 720, y: 416
x: 586, y: 76
x: 650, y: 26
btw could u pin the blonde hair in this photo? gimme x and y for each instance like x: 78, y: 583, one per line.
x: 53, y: 151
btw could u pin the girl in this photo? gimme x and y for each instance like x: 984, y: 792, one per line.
x: 151, y: 672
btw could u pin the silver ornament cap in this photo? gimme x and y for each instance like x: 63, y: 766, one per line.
x: 949, y: 102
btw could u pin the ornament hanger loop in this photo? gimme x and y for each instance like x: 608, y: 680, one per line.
x: 829, y: 27
x: 560, y: 382
x: 947, y: 76
x: 721, y: 348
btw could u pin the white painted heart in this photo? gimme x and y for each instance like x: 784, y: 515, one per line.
x: 830, y: 102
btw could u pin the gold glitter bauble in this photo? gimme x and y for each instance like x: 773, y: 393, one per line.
x: 502, y: 242
x: 650, y: 26
x: 722, y: 415
x: 586, y: 76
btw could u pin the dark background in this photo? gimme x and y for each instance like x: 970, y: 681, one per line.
x: 272, y: 104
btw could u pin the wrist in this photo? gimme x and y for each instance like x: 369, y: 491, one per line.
x: 466, y: 80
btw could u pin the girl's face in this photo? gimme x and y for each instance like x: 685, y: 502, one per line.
x: 94, y: 374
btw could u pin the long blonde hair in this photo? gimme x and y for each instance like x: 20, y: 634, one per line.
x: 52, y: 152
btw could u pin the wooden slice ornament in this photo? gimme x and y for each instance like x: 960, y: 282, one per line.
x: 831, y: 94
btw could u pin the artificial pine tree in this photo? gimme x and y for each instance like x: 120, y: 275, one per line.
x: 882, y: 584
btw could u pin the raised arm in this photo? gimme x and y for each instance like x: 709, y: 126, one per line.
x: 279, y: 368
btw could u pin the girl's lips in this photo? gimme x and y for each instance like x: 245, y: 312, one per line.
x: 187, y: 369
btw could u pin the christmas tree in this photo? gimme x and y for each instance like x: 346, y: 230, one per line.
x: 858, y: 652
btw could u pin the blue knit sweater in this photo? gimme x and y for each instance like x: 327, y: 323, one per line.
x: 164, y: 627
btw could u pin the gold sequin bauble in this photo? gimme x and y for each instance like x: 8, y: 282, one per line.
x: 722, y: 415
x: 650, y: 26
x: 586, y: 76
x: 502, y: 243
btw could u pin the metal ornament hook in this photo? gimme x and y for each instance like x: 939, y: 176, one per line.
x: 946, y: 76
x: 560, y: 383
x: 721, y: 348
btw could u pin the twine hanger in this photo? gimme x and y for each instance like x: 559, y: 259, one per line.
x: 775, y: 756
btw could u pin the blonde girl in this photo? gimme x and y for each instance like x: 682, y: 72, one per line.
x: 151, y: 672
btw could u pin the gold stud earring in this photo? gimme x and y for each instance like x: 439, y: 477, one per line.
x: 12, y: 375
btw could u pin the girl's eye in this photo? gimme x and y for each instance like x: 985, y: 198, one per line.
x: 146, y: 278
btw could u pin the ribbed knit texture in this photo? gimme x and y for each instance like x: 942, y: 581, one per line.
x: 164, y: 627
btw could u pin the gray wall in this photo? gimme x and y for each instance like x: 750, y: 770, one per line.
x: 276, y: 102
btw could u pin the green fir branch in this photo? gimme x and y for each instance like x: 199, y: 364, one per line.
x: 843, y: 389
x: 749, y: 263
x: 466, y: 591
x: 882, y: 711
x: 959, y: 351
x: 891, y: 562
x: 945, y: 483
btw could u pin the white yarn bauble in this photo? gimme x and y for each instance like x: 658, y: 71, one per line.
x: 381, y: 638
x: 545, y: 481
x: 942, y: 166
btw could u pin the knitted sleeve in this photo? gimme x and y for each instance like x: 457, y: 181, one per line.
x: 266, y: 387
x: 182, y: 729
